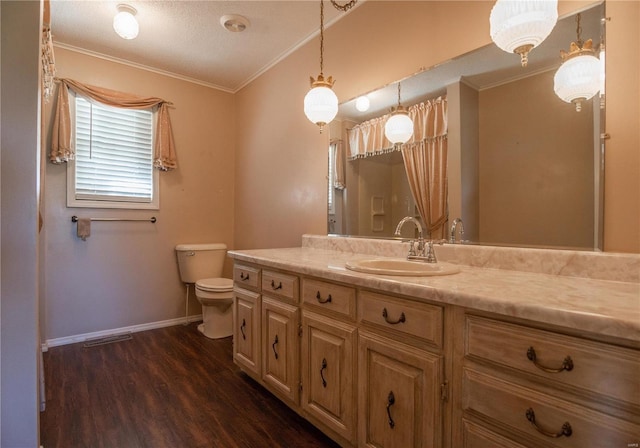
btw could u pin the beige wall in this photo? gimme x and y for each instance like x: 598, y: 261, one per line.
x: 536, y: 179
x: 281, y: 139
x: 281, y: 155
x: 125, y: 273
x: 252, y: 169
x: 622, y: 157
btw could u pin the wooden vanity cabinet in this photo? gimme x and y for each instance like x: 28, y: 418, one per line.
x: 399, y: 401
x: 281, y: 348
x: 372, y: 369
x: 525, y: 385
x: 401, y: 372
x: 329, y: 374
x: 280, y: 334
x: 246, y: 330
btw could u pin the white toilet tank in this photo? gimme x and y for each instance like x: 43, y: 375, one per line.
x: 200, y: 261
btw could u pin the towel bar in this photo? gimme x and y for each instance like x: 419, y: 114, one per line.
x: 153, y: 219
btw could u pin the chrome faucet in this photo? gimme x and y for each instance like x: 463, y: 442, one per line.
x: 452, y: 233
x: 407, y: 219
x: 419, y: 253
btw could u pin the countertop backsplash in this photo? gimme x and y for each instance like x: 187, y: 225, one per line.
x: 571, y: 263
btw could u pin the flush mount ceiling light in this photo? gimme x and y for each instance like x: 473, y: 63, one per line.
x: 124, y: 22
x: 399, y: 127
x: 321, y: 103
x: 234, y: 23
x: 518, y: 26
x: 578, y: 78
x: 363, y: 103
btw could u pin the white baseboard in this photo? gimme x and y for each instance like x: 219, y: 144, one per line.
x: 132, y: 329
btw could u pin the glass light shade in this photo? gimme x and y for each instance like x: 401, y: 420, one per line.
x: 578, y: 79
x: 321, y: 105
x: 125, y: 24
x: 398, y: 128
x: 362, y: 103
x: 520, y: 25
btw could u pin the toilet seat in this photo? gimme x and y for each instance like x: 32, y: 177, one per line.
x: 215, y: 285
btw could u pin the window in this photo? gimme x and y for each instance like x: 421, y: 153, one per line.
x: 113, y: 167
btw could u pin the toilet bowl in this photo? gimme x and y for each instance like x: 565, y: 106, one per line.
x: 216, y: 297
x: 201, y: 264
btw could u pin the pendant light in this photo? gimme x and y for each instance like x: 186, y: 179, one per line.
x: 399, y: 127
x: 518, y: 26
x: 578, y: 78
x: 125, y: 23
x: 321, y: 103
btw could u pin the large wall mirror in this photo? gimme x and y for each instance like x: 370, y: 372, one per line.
x: 524, y: 168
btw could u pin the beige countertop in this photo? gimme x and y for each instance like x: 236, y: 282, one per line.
x: 603, y: 307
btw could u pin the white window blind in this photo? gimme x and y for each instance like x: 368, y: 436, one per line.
x: 114, y: 152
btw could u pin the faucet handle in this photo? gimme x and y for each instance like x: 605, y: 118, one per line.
x: 412, y: 248
x: 430, y: 254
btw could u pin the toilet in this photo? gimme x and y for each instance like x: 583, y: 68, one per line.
x: 201, y: 264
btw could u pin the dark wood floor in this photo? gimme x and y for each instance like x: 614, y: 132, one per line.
x: 169, y: 387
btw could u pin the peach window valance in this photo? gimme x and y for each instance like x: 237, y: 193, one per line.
x: 62, y: 148
x: 429, y: 121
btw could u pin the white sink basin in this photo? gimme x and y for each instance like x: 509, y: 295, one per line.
x: 390, y: 266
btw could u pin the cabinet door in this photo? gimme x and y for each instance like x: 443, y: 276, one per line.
x: 328, y: 373
x: 280, y: 348
x: 246, y: 330
x: 399, y: 402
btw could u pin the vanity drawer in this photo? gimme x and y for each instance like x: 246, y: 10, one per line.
x: 597, y: 367
x: 279, y: 284
x: 532, y: 415
x: 421, y: 320
x: 246, y: 276
x: 329, y: 297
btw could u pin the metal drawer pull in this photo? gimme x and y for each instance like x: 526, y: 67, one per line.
x: 391, y: 399
x: 401, y: 319
x: 244, y: 277
x: 567, y: 364
x: 244, y: 324
x: 319, y: 297
x: 324, y: 366
x: 273, y: 346
x: 564, y: 431
x: 274, y: 286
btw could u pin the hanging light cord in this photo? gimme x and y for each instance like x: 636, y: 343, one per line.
x: 321, y: 36
x: 344, y: 8
x: 398, y: 94
x: 579, y: 31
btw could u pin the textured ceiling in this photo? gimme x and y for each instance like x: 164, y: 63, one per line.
x: 185, y: 37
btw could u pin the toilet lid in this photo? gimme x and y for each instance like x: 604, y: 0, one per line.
x: 215, y: 284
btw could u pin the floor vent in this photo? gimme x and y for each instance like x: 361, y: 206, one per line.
x: 107, y: 340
